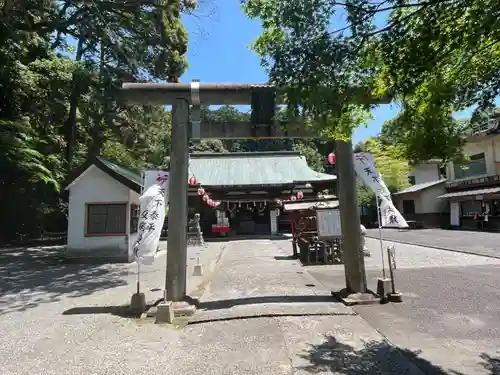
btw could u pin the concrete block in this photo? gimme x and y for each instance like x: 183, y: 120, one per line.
x: 183, y: 308
x: 198, y: 270
x: 138, y: 302
x: 384, y: 287
x: 395, y: 297
x: 351, y: 299
x: 164, y: 313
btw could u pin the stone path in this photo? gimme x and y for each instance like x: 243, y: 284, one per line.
x: 450, y: 311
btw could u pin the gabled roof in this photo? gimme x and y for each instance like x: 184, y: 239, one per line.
x: 224, y: 170
x: 125, y: 176
x: 253, y: 169
x: 419, y: 187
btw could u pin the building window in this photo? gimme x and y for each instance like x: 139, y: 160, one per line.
x: 470, y: 208
x: 476, y: 166
x: 408, y: 207
x: 411, y: 180
x: 106, y: 219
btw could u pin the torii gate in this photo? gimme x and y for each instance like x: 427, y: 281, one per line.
x: 263, y: 99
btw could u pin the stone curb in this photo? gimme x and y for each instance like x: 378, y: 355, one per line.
x: 438, y: 247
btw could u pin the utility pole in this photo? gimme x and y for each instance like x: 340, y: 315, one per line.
x: 352, y: 253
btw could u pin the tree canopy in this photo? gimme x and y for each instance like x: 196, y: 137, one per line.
x: 61, y: 63
x: 433, y: 57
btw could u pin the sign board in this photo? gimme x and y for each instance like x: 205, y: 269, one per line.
x: 328, y: 222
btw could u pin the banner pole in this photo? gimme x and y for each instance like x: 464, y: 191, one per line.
x: 138, y: 275
x: 380, y: 234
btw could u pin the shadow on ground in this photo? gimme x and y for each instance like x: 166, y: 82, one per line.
x: 228, y: 303
x: 378, y: 358
x: 32, y: 276
x: 123, y: 311
x: 242, y: 237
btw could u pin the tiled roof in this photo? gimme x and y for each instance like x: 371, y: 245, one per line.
x: 419, y: 187
x: 253, y: 169
x: 468, y: 193
x: 129, y: 174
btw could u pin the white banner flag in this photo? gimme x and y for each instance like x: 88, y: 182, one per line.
x: 151, y: 221
x: 157, y: 177
x: 390, y: 216
x: 364, y: 165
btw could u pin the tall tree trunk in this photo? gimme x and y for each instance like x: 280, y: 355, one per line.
x: 70, y: 127
x: 97, y: 137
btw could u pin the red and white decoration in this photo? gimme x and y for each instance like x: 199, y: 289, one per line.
x: 293, y: 198
x: 300, y: 195
x: 192, y: 181
x: 332, y: 159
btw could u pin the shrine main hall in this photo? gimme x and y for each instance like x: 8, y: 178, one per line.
x: 249, y: 188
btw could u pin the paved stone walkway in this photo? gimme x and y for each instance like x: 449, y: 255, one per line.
x: 478, y: 243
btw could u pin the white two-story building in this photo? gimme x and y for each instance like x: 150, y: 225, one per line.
x: 462, y: 196
x: 473, y: 189
x: 419, y: 202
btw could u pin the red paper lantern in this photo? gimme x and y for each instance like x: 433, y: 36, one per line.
x: 209, y: 202
x: 192, y: 181
x: 293, y: 197
x: 332, y: 159
x: 206, y: 198
x: 201, y: 191
x: 300, y: 195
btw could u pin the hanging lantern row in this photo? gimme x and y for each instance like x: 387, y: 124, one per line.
x: 202, y: 193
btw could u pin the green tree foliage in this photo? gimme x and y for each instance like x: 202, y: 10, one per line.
x: 58, y: 100
x: 433, y: 57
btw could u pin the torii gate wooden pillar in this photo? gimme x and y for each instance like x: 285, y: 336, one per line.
x: 183, y: 95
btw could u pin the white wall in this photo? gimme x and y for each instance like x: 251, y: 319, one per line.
x: 426, y: 201
x: 426, y: 172
x: 429, y: 203
x: 95, y: 186
x: 490, y: 145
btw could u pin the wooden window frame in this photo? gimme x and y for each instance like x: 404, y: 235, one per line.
x: 118, y: 234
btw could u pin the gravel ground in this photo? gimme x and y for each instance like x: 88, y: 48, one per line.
x: 478, y: 243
